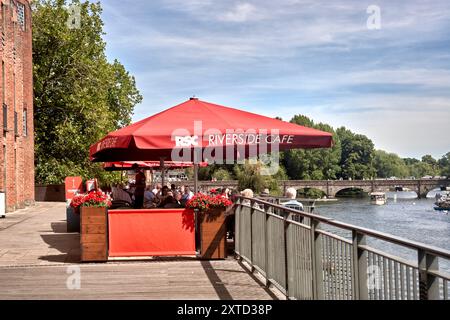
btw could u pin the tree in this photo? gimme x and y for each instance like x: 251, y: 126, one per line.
x: 249, y: 177
x: 79, y: 95
x: 410, y: 161
x: 432, y: 163
x: 222, y: 174
x: 313, y: 164
x: 444, y: 165
x: 389, y: 165
x: 421, y: 169
x: 429, y: 159
x: 356, y: 156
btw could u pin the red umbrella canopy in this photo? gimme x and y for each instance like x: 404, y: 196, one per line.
x: 214, y: 130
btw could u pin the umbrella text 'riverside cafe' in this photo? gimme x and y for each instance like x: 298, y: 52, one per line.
x: 193, y: 131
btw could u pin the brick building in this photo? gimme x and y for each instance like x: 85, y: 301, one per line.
x: 16, y: 78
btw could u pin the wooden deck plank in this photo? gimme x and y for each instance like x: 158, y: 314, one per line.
x: 130, y: 281
x: 35, y: 253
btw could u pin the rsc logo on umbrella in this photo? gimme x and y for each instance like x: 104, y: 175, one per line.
x: 186, y: 141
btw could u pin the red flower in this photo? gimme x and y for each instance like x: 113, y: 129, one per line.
x: 92, y: 199
x: 204, y: 202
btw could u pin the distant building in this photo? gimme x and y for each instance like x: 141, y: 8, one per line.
x: 16, y: 114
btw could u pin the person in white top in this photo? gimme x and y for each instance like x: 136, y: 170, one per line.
x: 157, y: 189
x: 188, y: 194
x: 291, y: 193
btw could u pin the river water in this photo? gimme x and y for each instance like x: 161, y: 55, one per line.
x: 413, y: 219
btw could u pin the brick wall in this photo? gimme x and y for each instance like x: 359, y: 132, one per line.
x: 17, y: 154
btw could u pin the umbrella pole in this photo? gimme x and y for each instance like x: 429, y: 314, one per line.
x: 161, y: 164
x: 195, y: 178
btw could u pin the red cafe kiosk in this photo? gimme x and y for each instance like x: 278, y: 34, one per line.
x: 193, y: 131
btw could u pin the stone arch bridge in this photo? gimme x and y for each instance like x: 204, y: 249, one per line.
x: 332, y: 187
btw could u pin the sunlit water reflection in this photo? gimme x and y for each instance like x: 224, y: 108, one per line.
x: 413, y: 219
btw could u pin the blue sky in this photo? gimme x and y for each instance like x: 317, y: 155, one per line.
x: 287, y: 57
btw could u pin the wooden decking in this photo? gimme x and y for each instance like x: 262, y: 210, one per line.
x: 38, y: 260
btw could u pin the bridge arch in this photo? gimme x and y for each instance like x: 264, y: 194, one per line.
x: 311, y: 192
x: 358, y: 191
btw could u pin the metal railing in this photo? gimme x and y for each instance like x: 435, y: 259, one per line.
x: 305, y: 256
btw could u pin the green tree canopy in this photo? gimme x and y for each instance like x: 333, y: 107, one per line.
x: 444, y: 164
x: 249, y: 176
x: 389, y: 165
x: 79, y: 95
x: 356, y: 156
x: 313, y: 164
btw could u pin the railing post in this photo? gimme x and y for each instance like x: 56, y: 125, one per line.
x: 428, y: 283
x: 266, y: 244
x: 286, y: 265
x: 316, y: 261
x: 237, y: 227
x: 252, y: 208
x: 360, y: 290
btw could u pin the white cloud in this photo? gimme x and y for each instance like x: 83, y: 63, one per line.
x: 241, y: 13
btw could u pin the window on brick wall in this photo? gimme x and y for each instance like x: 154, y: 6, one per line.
x: 3, y: 82
x: 21, y: 15
x: 14, y: 104
x: 4, y: 106
x: 4, y: 168
x: 3, y: 18
x: 25, y: 122
x: 5, y: 119
x: 16, y: 124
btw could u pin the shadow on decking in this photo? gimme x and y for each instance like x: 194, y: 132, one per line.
x: 59, y: 227
x: 220, y: 287
x: 66, y: 243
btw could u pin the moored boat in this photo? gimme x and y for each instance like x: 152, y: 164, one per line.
x: 442, y: 201
x: 378, y: 198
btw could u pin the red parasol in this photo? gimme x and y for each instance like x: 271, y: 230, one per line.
x: 204, y: 126
x: 196, y: 131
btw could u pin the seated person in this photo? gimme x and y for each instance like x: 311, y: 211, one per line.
x: 188, y: 194
x: 157, y: 190
x: 164, y: 191
x: 149, y: 196
x: 171, y: 202
x: 119, y: 194
x: 291, y: 193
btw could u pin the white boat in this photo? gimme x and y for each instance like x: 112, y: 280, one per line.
x: 442, y: 201
x: 399, y: 192
x: 378, y: 198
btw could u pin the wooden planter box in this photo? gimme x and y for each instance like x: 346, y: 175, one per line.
x: 94, y: 234
x: 213, y: 232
